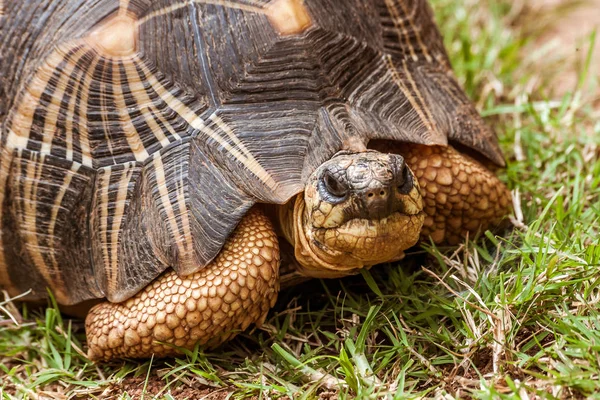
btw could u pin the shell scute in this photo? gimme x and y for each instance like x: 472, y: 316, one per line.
x: 170, y: 136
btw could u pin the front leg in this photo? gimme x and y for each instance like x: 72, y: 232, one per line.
x: 235, y: 290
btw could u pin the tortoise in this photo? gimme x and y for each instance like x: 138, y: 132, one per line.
x: 155, y: 154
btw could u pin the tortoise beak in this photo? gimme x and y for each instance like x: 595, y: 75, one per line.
x: 357, y: 210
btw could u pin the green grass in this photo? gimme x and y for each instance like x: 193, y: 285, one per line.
x: 505, y: 316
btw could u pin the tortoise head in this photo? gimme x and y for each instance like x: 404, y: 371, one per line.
x: 357, y: 210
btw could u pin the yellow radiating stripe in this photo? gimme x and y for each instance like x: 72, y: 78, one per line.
x: 143, y: 101
x: 104, y: 183
x: 153, y: 108
x: 227, y: 129
x: 131, y: 134
x: 185, y: 221
x: 104, y: 105
x: 183, y: 243
x: 55, y: 209
x: 53, y: 109
x: 253, y: 164
x: 398, y: 81
x: 196, y: 122
x: 71, y: 112
x: 416, y: 31
x: 254, y: 6
x: 118, y: 215
x: 30, y: 229
x: 418, y: 92
x: 22, y: 120
x: 403, y: 33
x: 84, y: 137
x: 174, y: 103
x: 248, y: 161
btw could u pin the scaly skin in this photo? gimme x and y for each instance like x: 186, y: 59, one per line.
x: 460, y: 194
x: 376, y: 215
x: 237, y: 289
x: 345, y: 249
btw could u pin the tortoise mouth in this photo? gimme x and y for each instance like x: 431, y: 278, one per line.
x: 357, y: 210
x: 365, y: 242
x: 360, y: 242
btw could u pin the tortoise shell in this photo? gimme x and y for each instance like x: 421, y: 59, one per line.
x: 135, y: 134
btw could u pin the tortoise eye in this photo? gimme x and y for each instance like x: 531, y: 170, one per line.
x: 406, y: 184
x: 333, y: 185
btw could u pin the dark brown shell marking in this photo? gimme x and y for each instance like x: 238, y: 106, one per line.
x: 122, y: 158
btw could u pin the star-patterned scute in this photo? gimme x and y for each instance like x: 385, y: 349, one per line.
x: 146, y: 152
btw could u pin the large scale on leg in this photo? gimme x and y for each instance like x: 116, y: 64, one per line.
x: 235, y: 290
x: 136, y: 135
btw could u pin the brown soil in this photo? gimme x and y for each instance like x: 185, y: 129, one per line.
x: 137, y: 387
x: 569, y: 35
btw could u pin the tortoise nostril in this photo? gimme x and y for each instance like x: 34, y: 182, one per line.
x: 377, y: 196
x: 334, y: 186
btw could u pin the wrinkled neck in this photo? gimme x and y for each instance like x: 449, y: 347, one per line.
x: 285, y: 219
x: 313, y: 261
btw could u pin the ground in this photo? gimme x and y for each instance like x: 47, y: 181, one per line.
x: 566, y: 34
x: 513, y: 315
